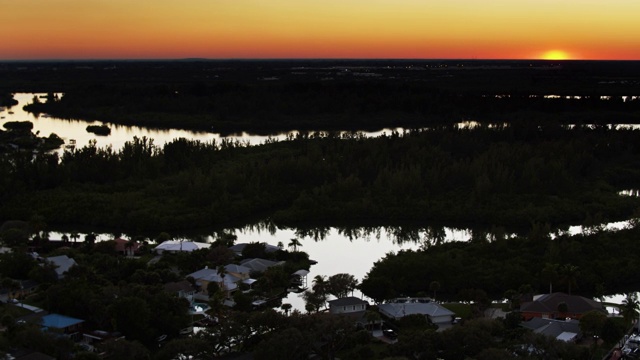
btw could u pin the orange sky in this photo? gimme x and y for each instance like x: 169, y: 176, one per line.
x: 481, y: 29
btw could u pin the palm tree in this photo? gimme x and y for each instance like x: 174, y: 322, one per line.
x: 294, y: 243
x: 65, y: 238
x: 74, y: 236
x: 550, y: 273
x: 222, y: 272
x: 569, y: 275
x: 630, y: 306
x: 90, y: 239
x: 434, y: 286
x: 320, y: 284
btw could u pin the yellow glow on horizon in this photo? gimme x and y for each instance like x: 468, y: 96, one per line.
x: 556, y: 55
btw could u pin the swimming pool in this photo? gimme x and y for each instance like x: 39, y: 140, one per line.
x: 198, y: 308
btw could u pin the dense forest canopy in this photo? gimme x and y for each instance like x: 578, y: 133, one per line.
x: 507, y: 176
x: 602, y: 260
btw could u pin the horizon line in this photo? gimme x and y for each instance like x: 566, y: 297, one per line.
x: 303, y: 59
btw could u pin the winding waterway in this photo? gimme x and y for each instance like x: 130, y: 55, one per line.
x: 74, y: 130
x: 336, y: 251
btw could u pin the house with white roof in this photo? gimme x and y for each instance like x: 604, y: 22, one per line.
x: 229, y: 283
x: 177, y: 245
x: 62, y: 264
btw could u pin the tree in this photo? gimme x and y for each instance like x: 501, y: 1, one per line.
x: 630, y: 306
x: 569, y: 276
x: 340, y: 285
x: 314, y: 301
x: 320, y: 284
x: 550, y: 274
x: 294, y: 243
x: 377, y: 288
x: 592, y: 322
x: 434, y: 286
x: 286, y: 308
x: 289, y: 343
x: 373, y: 318
x: 222, y: 271
x: 90, y: 239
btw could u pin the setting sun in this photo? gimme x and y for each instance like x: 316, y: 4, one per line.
x: 556, y: 55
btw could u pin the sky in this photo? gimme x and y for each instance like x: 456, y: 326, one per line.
x: 400, y: 29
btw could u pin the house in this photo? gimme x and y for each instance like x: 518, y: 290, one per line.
x: 93, y: 340
x: 62, y: 264
x: 69, y: 326
x: 17, y: 289
x: 399, y: 308
x: 182, y: 289
x: 177, y: 245
x: 552, y: 306
x: 127, y: 247
x: 563, y: 330
x: 259, y: 265
x: 347, y: 305
x: 239, y: 271
x: 228, y: 282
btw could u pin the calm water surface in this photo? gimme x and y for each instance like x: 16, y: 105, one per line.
x: 70, y: 130
x: 337, y: 252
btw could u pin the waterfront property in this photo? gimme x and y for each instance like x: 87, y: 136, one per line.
x: 563, y: 330
x: 347, y: 305
x: 559, y: 306
x: 401, y: 307
x: 177, y: 245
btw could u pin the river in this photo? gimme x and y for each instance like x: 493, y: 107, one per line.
x: 336, y: 252
x: 74, y: 130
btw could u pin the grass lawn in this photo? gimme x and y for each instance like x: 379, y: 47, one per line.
x: 461, y: 310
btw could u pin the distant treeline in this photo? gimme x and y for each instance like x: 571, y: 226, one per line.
x: 274, y: 106
x: 511, y: 176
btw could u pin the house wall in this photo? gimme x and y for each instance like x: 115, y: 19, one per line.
x: 528, y: 315
x: 440, y: 319
x: 347, y: 309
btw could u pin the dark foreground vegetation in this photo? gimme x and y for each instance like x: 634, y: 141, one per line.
x: 114, y: 293
x: 507, y: 177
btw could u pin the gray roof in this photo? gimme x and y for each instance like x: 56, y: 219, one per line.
x: 548, y: 303
x: 237, y: 248
x: 399, y: 310
x: 62, y: 263
x: 552, y: 328
x: 347, y: 301
x: 211, y: 275
x: 259, y: 265
x: 238, y: 269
